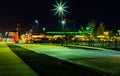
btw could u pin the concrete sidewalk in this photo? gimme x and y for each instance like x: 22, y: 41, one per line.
x: 12, y: 65
x: 92, y: 48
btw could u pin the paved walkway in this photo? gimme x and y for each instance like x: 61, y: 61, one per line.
x: 12, y: 65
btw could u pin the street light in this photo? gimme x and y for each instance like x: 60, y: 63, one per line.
x: 60, y: 9
x: 36, y: 25
x: 44, y: 30
x: 87, y: 28
x: 36, y: 21
x: 63, y: 23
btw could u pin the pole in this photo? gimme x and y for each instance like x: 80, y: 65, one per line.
x: 74, y: 26
x: 62, y: 23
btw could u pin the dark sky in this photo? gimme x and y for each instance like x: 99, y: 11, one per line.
x: 82, y: 11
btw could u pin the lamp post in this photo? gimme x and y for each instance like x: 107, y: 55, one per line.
x: 36, y: 22
x: 18, y: 30
x: 44, y: 30
x: 60, y: 9
x: 63, y: 25
x: 36, y: 25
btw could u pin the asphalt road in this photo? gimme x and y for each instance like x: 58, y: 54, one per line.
x: 102, y: 59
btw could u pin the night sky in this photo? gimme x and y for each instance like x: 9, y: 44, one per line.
x: 82, y: 11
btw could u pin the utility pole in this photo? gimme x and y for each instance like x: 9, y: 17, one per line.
x: 19, y: 30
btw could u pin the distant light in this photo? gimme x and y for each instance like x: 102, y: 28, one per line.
x: 63, y: 22
x: 79, y: 31
x: 87, y: 28
x: 36, y: 21
x: 6, y: 33
x: 17, y: 29
x: 31, y: 30
x: 43, y: 28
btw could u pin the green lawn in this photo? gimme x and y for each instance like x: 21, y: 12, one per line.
x: 49, y: 66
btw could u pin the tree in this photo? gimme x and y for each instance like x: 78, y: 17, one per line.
x: 82, y: 28
x: 90, y: 29
x: 100, y: 29
x: 91, y: 26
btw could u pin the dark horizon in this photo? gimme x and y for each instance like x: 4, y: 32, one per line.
x: 25, y: 12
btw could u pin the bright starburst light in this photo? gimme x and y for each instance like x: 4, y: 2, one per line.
x: 60, y: 8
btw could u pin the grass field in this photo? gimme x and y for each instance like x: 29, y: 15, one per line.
x: 49, y: 66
